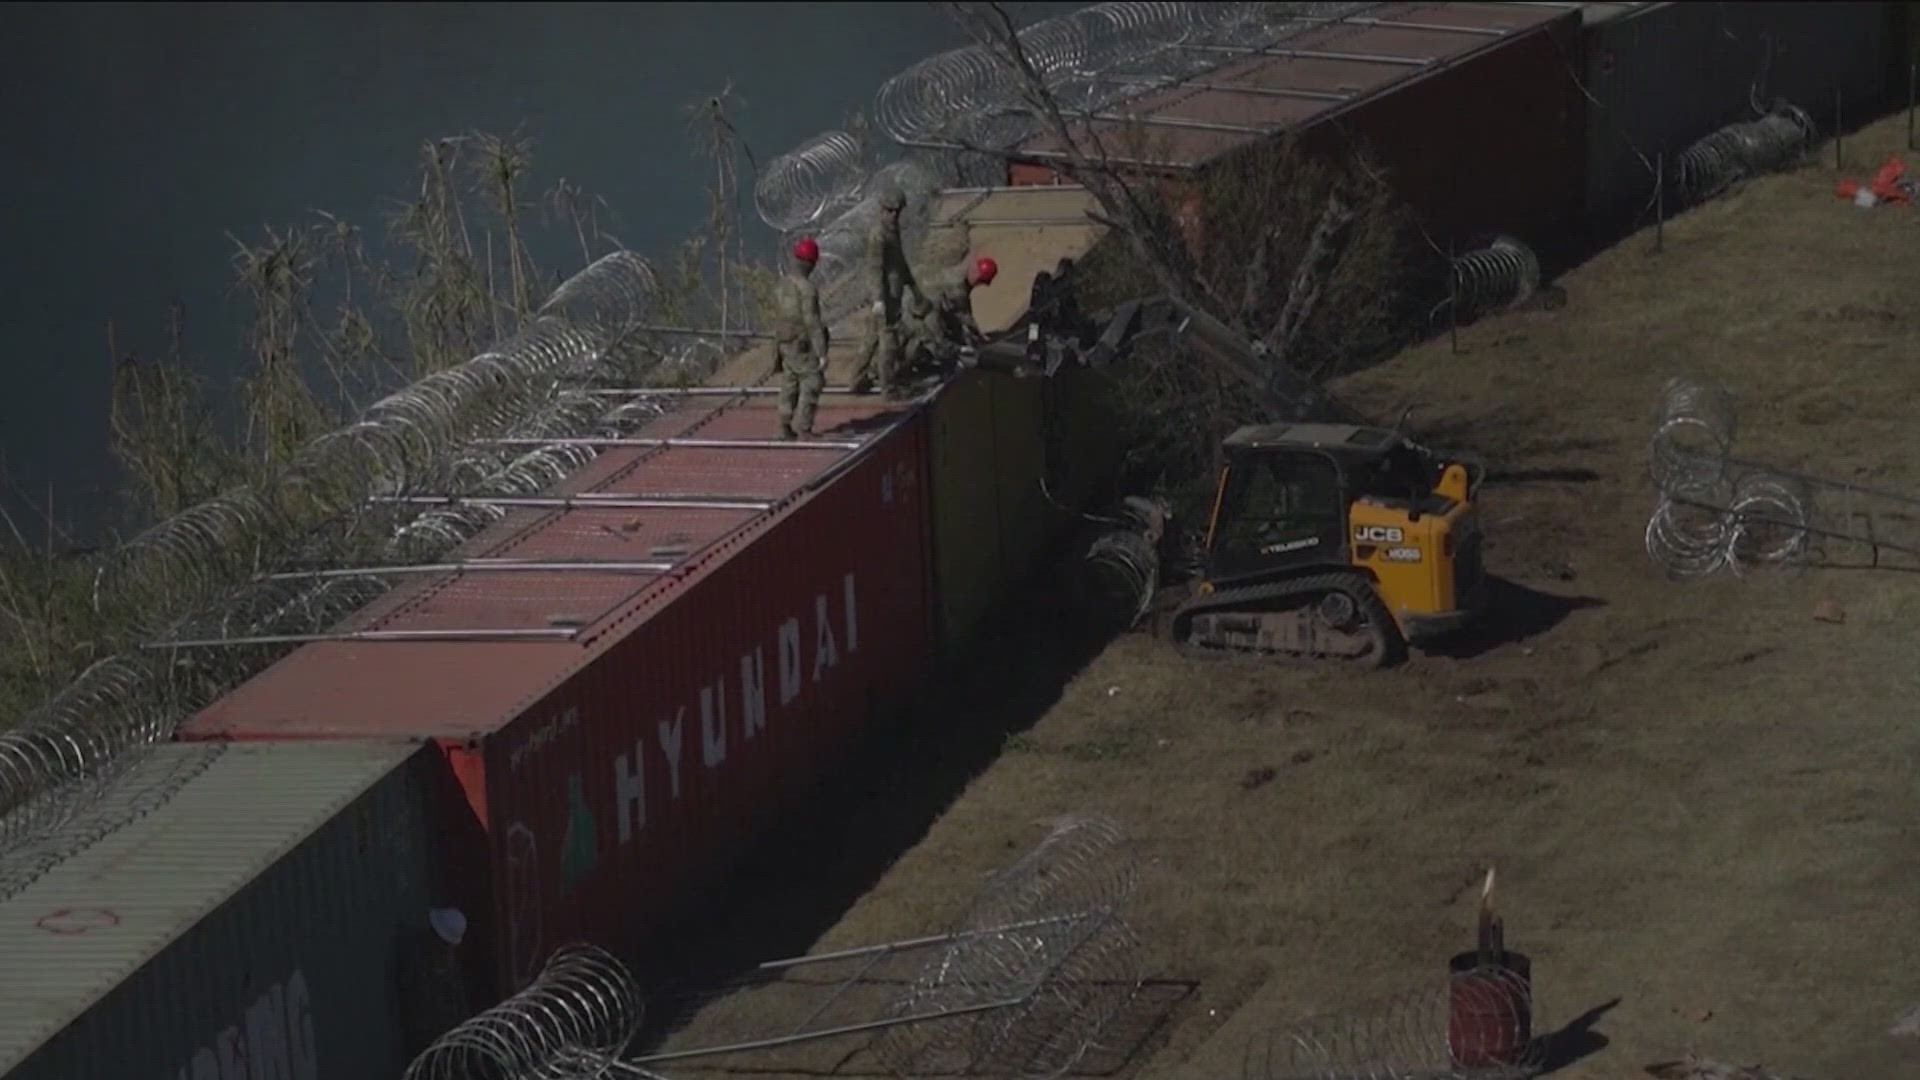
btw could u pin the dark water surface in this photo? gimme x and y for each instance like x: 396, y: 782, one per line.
x: 135, y: 137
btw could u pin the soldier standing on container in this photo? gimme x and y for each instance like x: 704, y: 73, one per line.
x: 892, y: 281
x: 943, y: 322
x: 800, y: 341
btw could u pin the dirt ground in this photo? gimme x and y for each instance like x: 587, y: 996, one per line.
x: 1702, y: 802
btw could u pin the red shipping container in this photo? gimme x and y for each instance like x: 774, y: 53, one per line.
x: 619, y: 775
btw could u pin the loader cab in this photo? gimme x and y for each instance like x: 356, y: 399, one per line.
x: 1284, y: 495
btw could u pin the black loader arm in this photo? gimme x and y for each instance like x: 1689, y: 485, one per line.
x: 1282, y: 391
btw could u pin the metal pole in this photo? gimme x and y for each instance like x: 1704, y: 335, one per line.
x: 828, y: 1033
x: 690, y: 444
x: 702, y: 391
x: 503, y: 634
x: 919, y: 942
x: 1453, y: 300
x: 697, y: 332
x: 1913, y: 81
x: 1660, y: 201
x: 583, y: 502
x: 472, y: 565
x: 1838, y: 134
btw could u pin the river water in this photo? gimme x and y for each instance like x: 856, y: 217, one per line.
x: 136, y: 137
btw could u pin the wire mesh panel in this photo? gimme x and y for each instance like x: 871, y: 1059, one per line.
x: 1718, y: 511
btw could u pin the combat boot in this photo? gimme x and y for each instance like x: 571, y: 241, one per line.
x: 862, y: 385
x: 786, y: 433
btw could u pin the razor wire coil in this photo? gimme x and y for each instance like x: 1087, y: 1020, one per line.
x: 582, y: 1000
x: 1025, y: 998
x: 1070, y: 962
x: 1476, y: 1025
x: 1503, y: 274
x: 1743, y: 150
x: 797, y: 187
x: 1715, y: 511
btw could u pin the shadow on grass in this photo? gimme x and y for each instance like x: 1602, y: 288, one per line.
x: 810, y: 869
x: 1514, y: 613
x: 1574, y: 1041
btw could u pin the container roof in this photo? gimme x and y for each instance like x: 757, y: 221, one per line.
x: 462, y: 653
x: 1024, y: 230
x: 1309, y: 78
x: 195, y: 825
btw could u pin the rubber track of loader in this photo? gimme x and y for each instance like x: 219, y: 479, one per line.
x: 1387, y: 649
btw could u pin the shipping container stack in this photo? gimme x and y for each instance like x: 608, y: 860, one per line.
x: 376, y: 837
x: 609, y: 777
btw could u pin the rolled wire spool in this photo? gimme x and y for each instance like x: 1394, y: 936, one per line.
x: 797, y: 187
x: 583, y: 1000
x: 1688, y: 535
x: 1505, y: 273
x: 1694, y: 435
x: 1767, y: 523
x: 1416, y: 1034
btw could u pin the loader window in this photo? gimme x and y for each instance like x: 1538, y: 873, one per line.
x: 1274, y: 506
x: 1399, y: 474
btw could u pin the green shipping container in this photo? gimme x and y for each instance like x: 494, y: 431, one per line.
x: 212, y: 914
x: 995, y: 439
x: 990, y: 517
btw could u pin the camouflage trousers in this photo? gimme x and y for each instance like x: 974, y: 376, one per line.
x: 891, y: 356
x: 802, y: 377
x: 879, y: 359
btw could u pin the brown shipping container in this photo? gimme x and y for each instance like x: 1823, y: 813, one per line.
x: 619, y: 774
x: 1494, y: 143
x: 1471, y: 110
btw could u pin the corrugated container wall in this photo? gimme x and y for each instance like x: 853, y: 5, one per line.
x: 1667, y: 75
x: 991, y: 517
x: 294, y: 975
x: 633, y: 786
x: 1486, y: 144
x: 1083, y: 438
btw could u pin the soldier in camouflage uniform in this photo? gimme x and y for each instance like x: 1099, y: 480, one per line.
x: 942, y: 323
x: 799, y: 341
x: 893, y: 282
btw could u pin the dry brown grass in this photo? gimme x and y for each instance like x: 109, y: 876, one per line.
x: 1698, y: 797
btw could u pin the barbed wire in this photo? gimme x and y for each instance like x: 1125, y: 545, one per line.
x: 1715, y: 511
x: 798, y: 186
x: 1088, y: 60
x: 219, y: 571
x: 1071, y: 968
x: 1503, y: 274
x: 1477, y: 1024
x: 1038, y: 967
x: 63, y: 821
x: 1718, y: 511
x: 582, y: 1006
x: 115, y: 706
x: 1744, y: 150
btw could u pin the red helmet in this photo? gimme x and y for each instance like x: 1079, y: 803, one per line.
x: 984, y: 270
x: 806, y: 250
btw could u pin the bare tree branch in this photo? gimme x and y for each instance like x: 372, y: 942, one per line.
x: 1304, y: 292
x: 1089, y: 166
